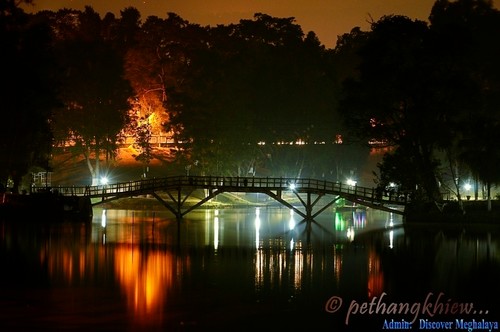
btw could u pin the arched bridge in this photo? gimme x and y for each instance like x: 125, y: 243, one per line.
x: 174, y: 191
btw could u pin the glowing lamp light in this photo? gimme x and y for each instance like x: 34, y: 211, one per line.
x: 467, y: 186
x: 351, y: 182
x: 292, y: 186
x: 104, y: 180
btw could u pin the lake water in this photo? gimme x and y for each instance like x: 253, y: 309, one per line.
x: 247, y: 269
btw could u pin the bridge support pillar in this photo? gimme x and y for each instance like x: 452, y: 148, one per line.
x: 309, y: 218
x: 309, y: 206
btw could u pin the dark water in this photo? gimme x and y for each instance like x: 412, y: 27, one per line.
x: 239, y: 270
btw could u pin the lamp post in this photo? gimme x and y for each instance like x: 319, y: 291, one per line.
x: 467, y: 188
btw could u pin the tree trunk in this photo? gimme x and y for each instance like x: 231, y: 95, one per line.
x: 428, y: 179
x: 94, y: 169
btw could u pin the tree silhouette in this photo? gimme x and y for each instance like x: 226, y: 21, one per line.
x: 95, y: 93
x: 29, y: 88
x: 424, y: 89
x: 260, y: 80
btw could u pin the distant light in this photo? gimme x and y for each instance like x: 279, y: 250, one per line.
x: 292, y: 186
x: 467, y: 186
x: 351, y: 182
x: 300, y: 142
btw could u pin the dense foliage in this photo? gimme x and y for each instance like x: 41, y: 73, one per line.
x: 28, y: 79
x: 261, y: 96
x: 431, y: 92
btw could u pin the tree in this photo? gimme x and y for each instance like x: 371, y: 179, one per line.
x: 424, y: 89
x: 464, y: 29
x: 260, y: 80
x: 393, y: 99
x: 142, y: 138
x: 95, y: 93
x: 156, y: 52
x: 28, y: 93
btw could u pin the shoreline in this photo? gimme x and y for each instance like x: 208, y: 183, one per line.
x: 471, y: 212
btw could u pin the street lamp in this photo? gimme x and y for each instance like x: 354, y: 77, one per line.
x: 104, y: 180
x: 467, y: 188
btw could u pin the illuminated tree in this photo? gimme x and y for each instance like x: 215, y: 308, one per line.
x: 142, y: 144
x: 149, y: 63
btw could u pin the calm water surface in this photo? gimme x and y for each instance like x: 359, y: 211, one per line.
x: 245, y: 269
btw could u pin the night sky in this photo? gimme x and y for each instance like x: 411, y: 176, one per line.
x: 327, y: 18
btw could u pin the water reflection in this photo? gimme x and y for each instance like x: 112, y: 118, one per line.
x: 463, y: 256
x: 375, y: 274
x: 225, y: 268
x: 350, y: 220
x: 146, y: 281
x: 257, y: 228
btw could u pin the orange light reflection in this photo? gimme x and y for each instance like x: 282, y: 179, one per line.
x: 146, y: 281
x: 375, y: 275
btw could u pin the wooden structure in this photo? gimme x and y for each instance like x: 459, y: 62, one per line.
x: 178, y: 189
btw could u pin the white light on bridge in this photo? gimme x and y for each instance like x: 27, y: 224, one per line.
x: 351, y: 182
x: 104, y: 180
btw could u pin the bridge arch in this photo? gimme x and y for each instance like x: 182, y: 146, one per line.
x: 177, y: 189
